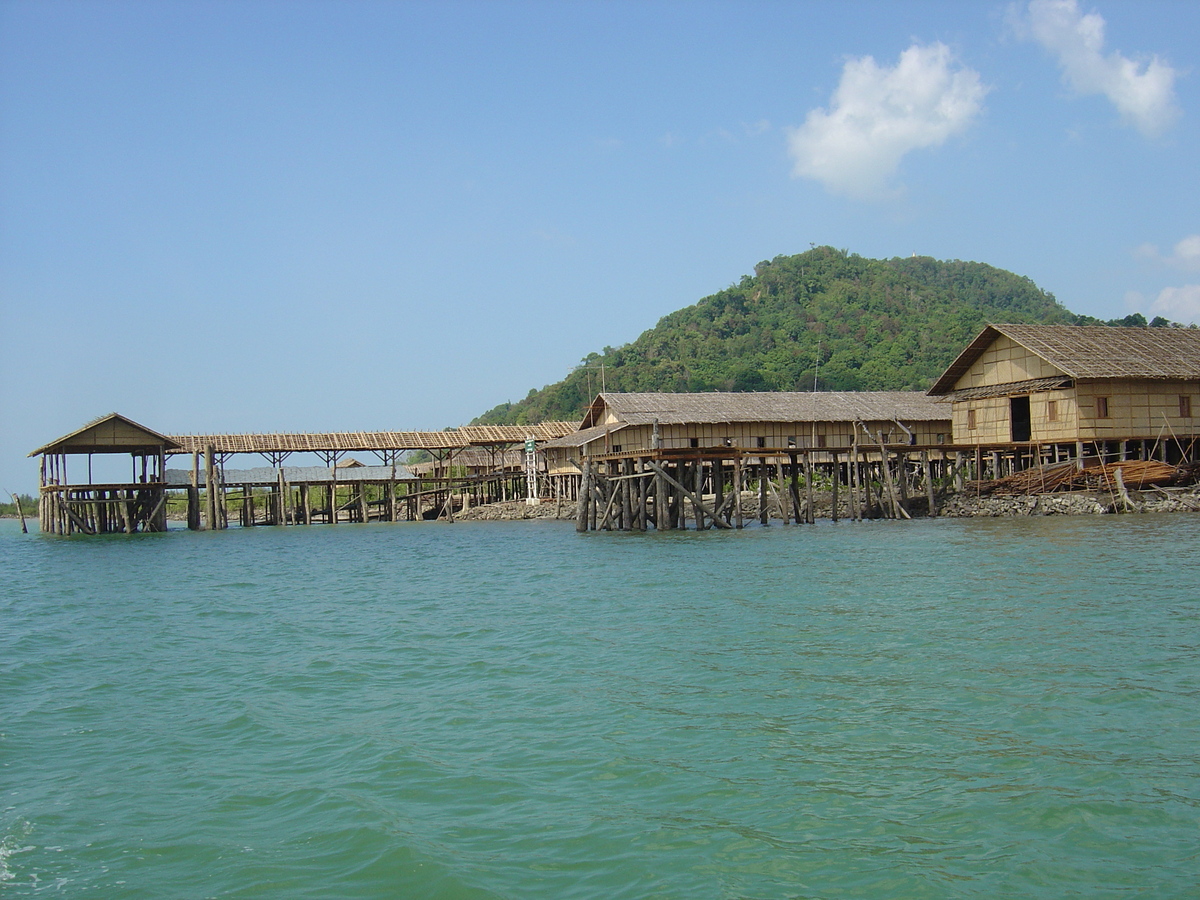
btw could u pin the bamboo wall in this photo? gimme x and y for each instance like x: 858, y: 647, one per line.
x: 1137, y: 409
x: 798, y: 435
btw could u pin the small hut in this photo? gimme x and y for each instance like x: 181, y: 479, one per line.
x: 70, y: 505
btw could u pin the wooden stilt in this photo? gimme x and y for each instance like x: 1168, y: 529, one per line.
x: 793, y: 489
x: 210, y: 488
x: 929, y: 493
x: 663, y: 520
x: 737, y: 488
x: 585, y: 495
x: 686, y: 492
x: 837, y: 477
x: 627, y: 488
x: 809, y: 512
x: 763, y: 514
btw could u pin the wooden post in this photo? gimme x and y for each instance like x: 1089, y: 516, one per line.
x: 643, y: 489
x: 718, y: 472
x: 662, y: 504
x: 810, y: 513
x: 585, y: 498
x: 332, y: 491
x: 193, y: 495
x: 685, y: 491
x: 210, y: 488
x: 391, y: 495
x: 627, y: 487
x: 763, y: 515
x: 929, y: 494
x: 280, y: 503
x: 737, y: 489
x: 21, y: 513
x: 898, y: 510
x: 222, y: 500
x: 837, y: 477
x: 853, y: 480
x: 793, y: 489
x: 595, y: 501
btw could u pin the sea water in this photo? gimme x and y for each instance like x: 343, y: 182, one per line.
x: 926, y: 709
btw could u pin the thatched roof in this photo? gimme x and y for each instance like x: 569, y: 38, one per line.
x: 1098, y: 351
x: 113, y: 433
x: 778, y: 406
x: 475, y: 458
x: 359, y: 441
x: 584, y: 436
x: 260, y: 475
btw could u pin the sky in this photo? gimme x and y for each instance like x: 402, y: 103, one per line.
x: 356, y: 215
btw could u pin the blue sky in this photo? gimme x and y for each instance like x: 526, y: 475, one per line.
x: 233, y: 216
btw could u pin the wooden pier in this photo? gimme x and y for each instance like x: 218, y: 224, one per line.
x: 723, y: 488
x: 712, y: 487
x: 336, y: 493
x: 285, y: 495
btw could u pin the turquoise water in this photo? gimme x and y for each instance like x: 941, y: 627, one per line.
x: 927, y: 709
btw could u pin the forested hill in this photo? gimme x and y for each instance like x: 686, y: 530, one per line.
x: 872, y: 324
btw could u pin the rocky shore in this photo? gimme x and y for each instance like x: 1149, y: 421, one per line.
x: 1075, y: 503
x: 961, y: 505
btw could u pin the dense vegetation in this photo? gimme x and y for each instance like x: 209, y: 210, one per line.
x: 825, y: 319
x: 8, y: 506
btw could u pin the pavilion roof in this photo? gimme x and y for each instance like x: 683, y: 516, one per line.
x: 113, y: 433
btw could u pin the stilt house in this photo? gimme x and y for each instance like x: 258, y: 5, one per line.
x: 785, y: 422
x: 1097, y: 391
x: 70, y: 504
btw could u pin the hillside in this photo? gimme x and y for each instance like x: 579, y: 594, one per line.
x: 877, y: 324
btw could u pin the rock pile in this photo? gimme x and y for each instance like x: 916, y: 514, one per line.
x: 511, y: 510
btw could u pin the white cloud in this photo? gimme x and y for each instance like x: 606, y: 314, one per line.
x: 1185, y: 255
x: 879, y: 114
x: 1180, y: 304
x: 1143, y: 93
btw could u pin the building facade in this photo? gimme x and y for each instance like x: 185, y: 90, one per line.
x: 779, y: 423
x: 1060, y: 384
